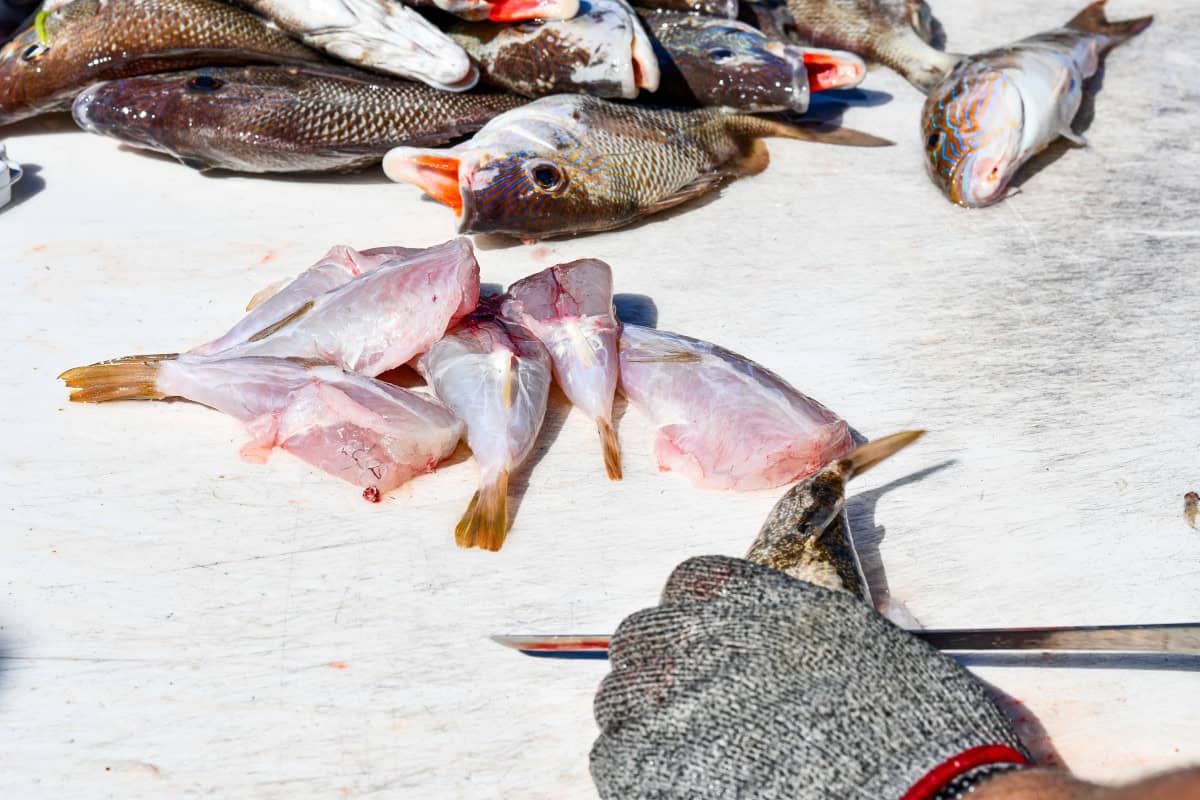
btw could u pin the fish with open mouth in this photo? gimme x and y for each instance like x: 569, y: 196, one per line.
x: 569, y: 308
x: 362, y: 430
x: 711, y: 61
x: 725, y: 422
x: 495, y: 376
x: 281, y: 118
x: 1000, y: 108
x: 602, y: 51
x: 892, y: 32
x: 570, y: 163
x: 77, y: 44
x: 503, y: 10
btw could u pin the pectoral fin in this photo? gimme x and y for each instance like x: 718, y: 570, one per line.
x: 699, y: 186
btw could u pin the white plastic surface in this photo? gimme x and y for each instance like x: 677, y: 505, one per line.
x: 175, y: 623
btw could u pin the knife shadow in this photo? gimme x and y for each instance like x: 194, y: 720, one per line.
x: 1174, y: 662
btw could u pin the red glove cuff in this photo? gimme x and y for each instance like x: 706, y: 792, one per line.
x: 943, y: 774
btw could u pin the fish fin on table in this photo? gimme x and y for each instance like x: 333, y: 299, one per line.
x: 128, y: 378
x: 1070, y: 135
x: 611, y: 448
x: 868, y: 455
x: 1094, y: 21
x: 753, y: 159
x: 485, y: 522
x: 266, y: 293
x: 700, y: 186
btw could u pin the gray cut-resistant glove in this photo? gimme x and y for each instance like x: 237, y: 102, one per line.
x: 747, y: 683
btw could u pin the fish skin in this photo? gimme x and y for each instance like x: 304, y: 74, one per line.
x: 881, y: 30
x: 90, y: 40
x: 495, y: 376
x: 362, y: 430
x: 725, y: 422
x: 711, y: 61
x: 1000, y: 108
x: 380, y: 35
x: 603, y: 51
x: 712, y: 8
x: 569, y: 308
x: 563, y: 165
x: 280, y: 118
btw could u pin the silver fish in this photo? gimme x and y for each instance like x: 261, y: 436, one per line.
x: 1000, y: 108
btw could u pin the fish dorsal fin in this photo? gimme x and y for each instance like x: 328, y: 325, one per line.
x: 266, y: 293
x: 275, y: 327
x: 702, y: 184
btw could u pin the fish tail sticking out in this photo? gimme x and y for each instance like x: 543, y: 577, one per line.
x: 758, y: 127
x: 612, y: 449
x: 871, y: 453
x: 128, y: 378
x: 485, y: 522
x: 1092, y: 20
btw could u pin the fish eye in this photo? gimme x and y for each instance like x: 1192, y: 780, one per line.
x: 546, y: 176
x: 933, y: 140
x: 720, y: 54
x: 34, y: 52
x: 204, y: 83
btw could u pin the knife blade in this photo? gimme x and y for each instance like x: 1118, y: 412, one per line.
x: 1180, y: 638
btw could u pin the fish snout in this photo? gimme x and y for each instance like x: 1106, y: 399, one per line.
x: 435, y: 172
x: 979, y: 181
x: 646, y: 74
x: 832, y: 69
x: 520, y: 10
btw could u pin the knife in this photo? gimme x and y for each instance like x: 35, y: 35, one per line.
x: 1180, y: 638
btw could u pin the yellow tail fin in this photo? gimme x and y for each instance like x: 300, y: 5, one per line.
x: 871, y: 453
x: 129, y: 378
x: 612, y: 449
x: 485, y: 522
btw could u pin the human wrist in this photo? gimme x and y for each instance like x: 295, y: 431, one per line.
x: 1034, y: 784
x: 959, y: 777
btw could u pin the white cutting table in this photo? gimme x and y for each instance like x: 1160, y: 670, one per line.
x: 176, y: 623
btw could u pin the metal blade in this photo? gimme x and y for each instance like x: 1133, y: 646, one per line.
x: 1181, y: 638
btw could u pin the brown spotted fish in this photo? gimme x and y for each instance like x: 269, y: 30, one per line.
x: 281, y: 119
x: 85, y: 41
x: 602, y: 51
x: 570, y: 163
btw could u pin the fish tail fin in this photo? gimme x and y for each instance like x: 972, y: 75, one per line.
x: 485, y: 522
x: 129, y: 378
x: 1094, y: 21
x: 612, y: 448
x: 758, y: 127
x: 868, y: 455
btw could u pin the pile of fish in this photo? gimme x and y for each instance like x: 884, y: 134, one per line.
x: 302, y: 371
x: 294, y: 85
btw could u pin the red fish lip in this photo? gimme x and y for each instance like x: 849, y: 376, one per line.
x: 833, y: 69
x: 518, y: 10
x: 437, y: 176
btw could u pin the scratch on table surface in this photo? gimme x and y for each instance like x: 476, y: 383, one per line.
x: 284, y: 554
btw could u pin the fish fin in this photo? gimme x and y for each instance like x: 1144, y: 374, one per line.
x: 128, y: 378
x: 279, y: 325
x: 758, y: 127
x: 700, y: 186
x: 266, y: 293
x: 611, y: 447
x: 753, y: 159
x: 1069, y: 134
x: 1093, y: 20
x: 485, y: 522
x: 871, y: 453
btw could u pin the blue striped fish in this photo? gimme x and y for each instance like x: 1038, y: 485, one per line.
x: 998, y: 109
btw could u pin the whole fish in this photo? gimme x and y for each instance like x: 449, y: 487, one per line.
x: 503, y: 10
x: 85, y: 41
x: 998, y: 109
x: 375, y: 322
x: 362, y: 430
x: 602, y: 51
x: 569, y: 308
x: 723, y: 421
x: 280, y: 118
x: 712, y: 61
x: 712, y: 8
x: 773, y: 18
x: 495, y: 376
x: 887, y: 31
x: 381, y: 35
x: 569, y: 163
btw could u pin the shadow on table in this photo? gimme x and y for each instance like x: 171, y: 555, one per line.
x: 1060, y: 147
x: 1171, y: 662
x: 827, y: 108
x: 31, y: 183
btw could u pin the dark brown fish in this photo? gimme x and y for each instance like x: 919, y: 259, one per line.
x: 806, y: 535
x: 713, y: 8
x: 281, y: 119
x: 85, y: 41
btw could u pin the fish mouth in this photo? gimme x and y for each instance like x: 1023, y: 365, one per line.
x: 646, y: 74
x: 833, y: 69
x: 967, y: 180
x: 467, y: 82
x: 433, y: 172
x: 519, y: 10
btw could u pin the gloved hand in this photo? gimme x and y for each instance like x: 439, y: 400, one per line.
x: 747, y: 683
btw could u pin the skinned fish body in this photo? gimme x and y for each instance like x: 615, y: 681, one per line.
x: 362, y: 430
x: 1000, y: 108
x: 602, y: 51
x: 379, y: 319
x: 381, y: 35
x: 711, y: 61
x: 280, y: 118
x: 81, y: 42
x: 503, y: 10
x: 712, y: 8
x: 569, y: 308
x: 570, y: 163
x: 495, y: 376
x: 891, y: 32
x: 723, y: 421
